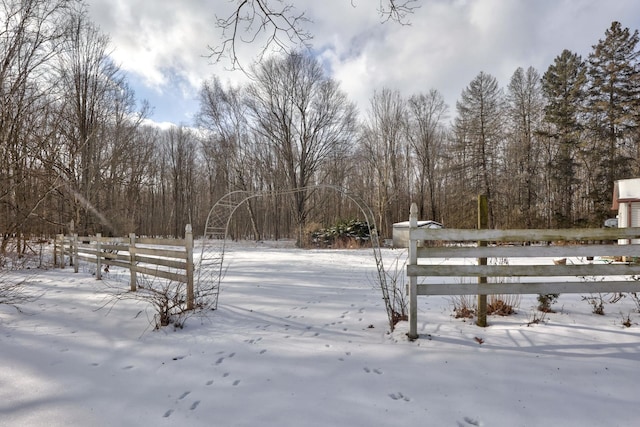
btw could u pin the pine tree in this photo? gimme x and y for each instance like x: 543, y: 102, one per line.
x: 613, y: 105
x: 563, y: 86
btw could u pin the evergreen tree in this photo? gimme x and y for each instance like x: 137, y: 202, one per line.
x: 613, y: 105
x: 563, y: 86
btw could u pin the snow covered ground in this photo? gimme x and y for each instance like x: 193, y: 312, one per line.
x: 301, y: 339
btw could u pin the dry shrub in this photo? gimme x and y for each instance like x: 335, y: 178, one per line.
x: 502, y: 305
x: 464, y: 306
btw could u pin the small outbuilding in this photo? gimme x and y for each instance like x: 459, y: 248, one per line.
x: 626, y: 201
x: 401, y: 232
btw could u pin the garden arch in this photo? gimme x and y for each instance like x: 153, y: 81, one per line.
x: 210, y: 266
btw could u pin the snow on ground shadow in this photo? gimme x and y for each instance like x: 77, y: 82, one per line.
x: 301, y: 338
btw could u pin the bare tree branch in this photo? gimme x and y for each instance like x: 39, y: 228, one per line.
x: 283, y: 28
x: 397, y: 10
x: 280, y: 26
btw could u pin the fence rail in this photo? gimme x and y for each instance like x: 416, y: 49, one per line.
x: 597, y: 263
x: 170, y: 259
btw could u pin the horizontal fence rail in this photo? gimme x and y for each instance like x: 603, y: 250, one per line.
x: 536, y: 261
x: 170, y: 259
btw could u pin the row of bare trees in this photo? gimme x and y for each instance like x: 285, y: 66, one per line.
x: 74, y: 148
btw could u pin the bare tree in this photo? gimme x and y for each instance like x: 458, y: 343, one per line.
x: 90, y: 83
x: 479, y: 137
x: 228, y: 145
x: 180, y: 154
x: 304, y: 117
x: 29, y: 40
x: 427, y: 134
x: 383, y: 146
x: 523, y: 150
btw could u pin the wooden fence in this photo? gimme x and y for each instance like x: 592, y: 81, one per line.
x: 170, y: 259
x: 595, y: 262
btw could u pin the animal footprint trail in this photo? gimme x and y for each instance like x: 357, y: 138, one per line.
x: 399, y: 396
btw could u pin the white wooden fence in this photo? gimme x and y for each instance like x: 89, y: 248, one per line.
x: 170, y: 259
x: 438, y: 254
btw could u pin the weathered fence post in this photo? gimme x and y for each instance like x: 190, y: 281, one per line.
x: 132, y: 262
x: 98, y: 256
x: 188, y: 243
x: 413, y: 280
x: 483, y: 221
x: 75, y: 252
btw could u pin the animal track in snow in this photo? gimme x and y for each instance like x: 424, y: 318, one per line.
x: 168, y: 413
x: 399, y: 396
x: 183, y: 395
x: 194, y: 405
x: 209, y: 382
x: 470, y: 421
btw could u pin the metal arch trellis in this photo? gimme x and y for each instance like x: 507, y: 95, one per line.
x: 210, y: 270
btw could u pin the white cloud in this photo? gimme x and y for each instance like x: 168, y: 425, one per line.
x: 164, y: 42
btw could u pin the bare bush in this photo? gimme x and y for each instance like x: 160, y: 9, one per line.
x: 396, y: 290
x: 503, y: 305
x: 14, y: 292
x: 167, y: 299
x: 464, y: 306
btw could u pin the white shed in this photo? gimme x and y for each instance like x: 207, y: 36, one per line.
x: 401, y: 232
x: 626, y: 200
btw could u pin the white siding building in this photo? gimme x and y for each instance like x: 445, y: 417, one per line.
x: 626, y: 200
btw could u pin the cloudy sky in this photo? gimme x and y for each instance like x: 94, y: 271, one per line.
x: 162, y: 45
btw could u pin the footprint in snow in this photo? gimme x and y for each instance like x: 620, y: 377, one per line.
x: 468, y: 421
x: 209, y: 382
x: 168, y: 413
x: 399, y: 396
x: 183, y: 395
x: 194, y: 405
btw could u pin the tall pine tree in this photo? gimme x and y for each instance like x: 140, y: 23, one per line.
x: 613, y: 105
x: 563, y: 85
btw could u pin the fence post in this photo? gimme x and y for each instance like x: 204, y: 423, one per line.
x: 483, y: 221
x: 413, y: 280
x: 132, y: 262
x: 98, y: 256
x: 188, y: 243
x: 75, y: 252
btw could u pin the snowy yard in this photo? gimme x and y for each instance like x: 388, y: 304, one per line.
x: 301, y: 339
